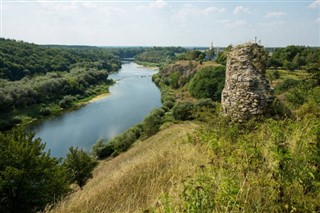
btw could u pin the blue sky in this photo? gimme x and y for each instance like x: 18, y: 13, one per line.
x: 162, y: 22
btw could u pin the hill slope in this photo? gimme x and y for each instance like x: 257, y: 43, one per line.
x: 133, y: 181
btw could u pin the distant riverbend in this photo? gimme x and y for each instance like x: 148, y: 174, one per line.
x: 132, y: 97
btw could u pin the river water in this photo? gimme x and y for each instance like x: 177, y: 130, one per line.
x: 131, y: 99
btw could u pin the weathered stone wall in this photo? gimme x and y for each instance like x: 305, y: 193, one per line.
x: 246, y: 92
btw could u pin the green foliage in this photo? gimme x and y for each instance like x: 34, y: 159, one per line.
x: 67, y: 101
x: 20, y: 59
x: 198, y: 195
x: 193, y: 55
x: 159, y: 55
x: 222, y: 58
x: 273, y: 75
x: 152, y: 122
x: 294, y: 57
x: 79, y: 166
x: 44, y: 111
x: 29, y: 177
x: 101, y: 149
x: 286, y: 85
x: 183, y: 111
x: 267, y: 166
x: 314, y: 70
x: 174, y: 80
x: 122, y: 142
x: 208, y: 82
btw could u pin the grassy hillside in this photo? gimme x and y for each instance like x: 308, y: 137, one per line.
x: 139, y: 178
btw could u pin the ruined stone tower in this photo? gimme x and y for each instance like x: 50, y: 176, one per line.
x: 246, y: 92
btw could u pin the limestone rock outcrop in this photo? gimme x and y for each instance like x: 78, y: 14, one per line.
x: 246, y: 93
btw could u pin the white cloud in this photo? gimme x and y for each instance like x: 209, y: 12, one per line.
x: 223, y: 21
x: 315, y: 4
x: 275, y: 14
x: 60, y: 7
x: 318, y: 20
x: 213, y: 10
x: 190, y: 10
x: 89, y: 5
x: 273, y: 24
x: 237, y: 23
x: 241, y: 9
x: 158, y: 4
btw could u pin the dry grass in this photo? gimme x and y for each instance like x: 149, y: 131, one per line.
x: 134, y: 181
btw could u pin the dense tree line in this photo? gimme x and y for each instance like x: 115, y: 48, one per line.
x: 159, y: 54
x: 295, y: 57
x: 19, y: 59
x: 48, y: 87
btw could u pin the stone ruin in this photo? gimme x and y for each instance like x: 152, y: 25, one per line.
x: 246, y: 93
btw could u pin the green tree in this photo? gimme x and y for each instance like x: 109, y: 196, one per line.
x: 208, y: 82
x: 79, y: 166
x: 174, y: 80
x: 29, y: 177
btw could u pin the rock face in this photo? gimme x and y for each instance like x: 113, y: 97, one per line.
x: 246, y: 93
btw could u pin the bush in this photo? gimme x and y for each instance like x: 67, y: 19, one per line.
x: 208, y: 82
x: 286, y: 85
x: 168, y: 104
x: 183, y: 111
x: 79, y: 166
x: 122, y: 142
x: 280, y: 109
x: 206, y: 102
x: 152, y: 122
x: 67, y: 101
x: 101, y: 149
x: 45, y: 111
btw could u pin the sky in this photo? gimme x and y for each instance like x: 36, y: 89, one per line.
x: 276, y: 23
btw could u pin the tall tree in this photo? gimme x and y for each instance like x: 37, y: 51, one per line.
x: 79, y: 166
x: 29, y: 177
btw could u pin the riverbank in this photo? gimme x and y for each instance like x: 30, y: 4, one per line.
x: 150, y: 65
x: 99, y: 97
x: 36, y: 113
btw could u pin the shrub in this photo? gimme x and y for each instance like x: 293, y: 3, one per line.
x: 208, y: 82
x: 101, y: 149
x: 280, y: 109
x: 183, y: 111
x: 205, y: 102
x: 168, y: 104
x: 286, y: 85
x: 79, y: 166
x: 152, y: 122
x: 67, y: 101
x: 45, y: 111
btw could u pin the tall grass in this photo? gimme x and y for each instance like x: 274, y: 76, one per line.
x: 134, y: 180
x: 266, y: 166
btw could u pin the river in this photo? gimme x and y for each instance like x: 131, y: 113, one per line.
x: 131, y: 99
